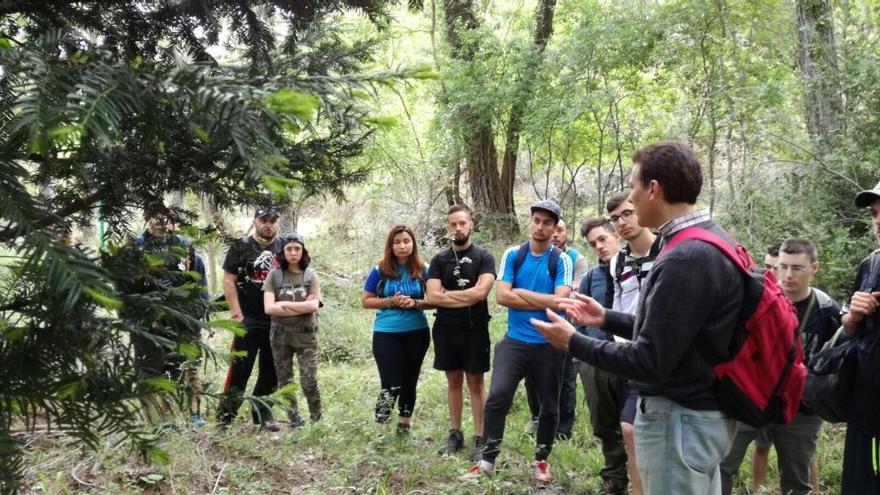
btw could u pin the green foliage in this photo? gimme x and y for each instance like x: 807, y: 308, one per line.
x: 106, y: 107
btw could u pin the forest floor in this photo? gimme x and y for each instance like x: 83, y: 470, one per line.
x: 346, y: 452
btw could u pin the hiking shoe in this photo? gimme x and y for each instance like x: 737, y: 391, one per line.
x: 612, y: 487
x: 196, y: 421
x: 271, y: 426
x: 454, y: 443
x: 481, y: 468
x: 403, y: 429
x: 542, y: 472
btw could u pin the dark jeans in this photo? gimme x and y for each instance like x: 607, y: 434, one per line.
x: 567, y: 399
x: 255, y: 342
x: 399, y: 358
x: 604, y: 395
x: 513, y: 361
x: 859, y: 476
x: 795, y: 445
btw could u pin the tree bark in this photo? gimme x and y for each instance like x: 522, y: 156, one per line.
x: 543, y: 31
x: 481, y: 156
x: 817, y: 57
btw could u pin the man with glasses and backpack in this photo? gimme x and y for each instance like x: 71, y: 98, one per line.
x: 818, y: 317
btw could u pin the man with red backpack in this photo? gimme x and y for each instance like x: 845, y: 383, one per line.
x: 685, y: 321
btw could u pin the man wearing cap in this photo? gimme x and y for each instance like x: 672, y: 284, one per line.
x: 861, y: 452
x: 248, y: 262
x: 532, y: 275
x: 568, y: 395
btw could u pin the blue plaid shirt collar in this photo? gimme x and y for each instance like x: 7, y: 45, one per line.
x: 684, y: 221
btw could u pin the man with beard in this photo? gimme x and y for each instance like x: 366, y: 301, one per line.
x: 459, y: 281
x: 248, y: 262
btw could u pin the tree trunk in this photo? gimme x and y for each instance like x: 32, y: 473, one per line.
x: 481, y: 156
x: 543, y: 31
x: 209, y: 215
x: 817, y: 57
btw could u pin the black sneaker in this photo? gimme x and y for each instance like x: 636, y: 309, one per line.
x: 270, y: 426
x: 402, y: 429
x: 454, y: 443
x: 612, y: 487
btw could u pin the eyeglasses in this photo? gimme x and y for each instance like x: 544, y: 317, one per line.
x: 625, y: 214
x: 782, y: 267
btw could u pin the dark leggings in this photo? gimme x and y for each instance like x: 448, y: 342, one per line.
x: 399, y: 356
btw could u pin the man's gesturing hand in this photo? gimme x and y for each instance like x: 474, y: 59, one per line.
x: 557, y: 331
x: 583, y: 310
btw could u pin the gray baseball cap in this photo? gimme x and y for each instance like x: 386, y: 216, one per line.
x: 868, y: 196
x: 550, y: 207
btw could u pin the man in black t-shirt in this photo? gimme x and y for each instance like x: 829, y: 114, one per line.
x: 459, y: 280
x: 248, y: 262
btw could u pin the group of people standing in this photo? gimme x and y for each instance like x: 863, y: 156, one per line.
x: 643, y: 329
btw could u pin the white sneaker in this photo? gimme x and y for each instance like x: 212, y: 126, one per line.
x: 479, y: 469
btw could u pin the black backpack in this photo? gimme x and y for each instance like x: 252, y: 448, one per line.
x: 831, y: 371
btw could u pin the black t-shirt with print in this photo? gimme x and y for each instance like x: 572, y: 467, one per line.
x: 251, y: 263
x: 820, y: 327
x: 459, y: 270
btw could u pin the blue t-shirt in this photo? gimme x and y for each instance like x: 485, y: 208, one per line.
x: 532, y: 275
x: 395, y: 319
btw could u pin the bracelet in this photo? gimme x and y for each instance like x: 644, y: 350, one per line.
x: 387, y: 303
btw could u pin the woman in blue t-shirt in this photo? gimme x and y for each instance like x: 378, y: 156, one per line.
x: 396, y: 287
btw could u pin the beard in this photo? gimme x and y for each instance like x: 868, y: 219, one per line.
x: 462, y: 240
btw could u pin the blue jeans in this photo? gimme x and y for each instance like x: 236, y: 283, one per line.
x: 679, y: 449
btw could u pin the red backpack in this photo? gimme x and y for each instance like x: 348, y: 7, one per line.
x: 763, y: 381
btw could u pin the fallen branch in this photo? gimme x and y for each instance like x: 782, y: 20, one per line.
x: 220, y: 475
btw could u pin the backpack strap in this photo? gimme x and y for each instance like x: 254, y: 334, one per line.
x: 279, y: 278
x: 738, y: 256
x: 616, y: 265
x: 520, y: 257
x: 553, y: 261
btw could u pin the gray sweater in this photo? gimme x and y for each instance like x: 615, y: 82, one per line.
x: 687, y: 312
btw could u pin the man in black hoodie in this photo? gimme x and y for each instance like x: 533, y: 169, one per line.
x: 687, y: 314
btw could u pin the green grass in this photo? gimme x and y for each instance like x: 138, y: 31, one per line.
x: 347, y: 452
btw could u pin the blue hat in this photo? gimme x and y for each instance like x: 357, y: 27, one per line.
x: 550, y: 207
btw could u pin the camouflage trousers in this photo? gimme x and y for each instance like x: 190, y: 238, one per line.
x: 287, y: 343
